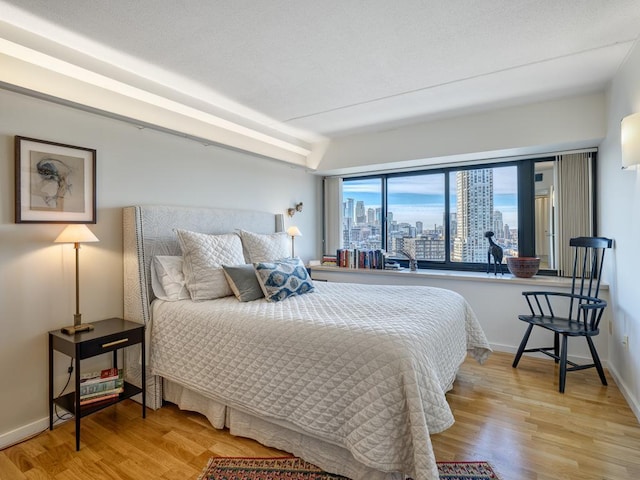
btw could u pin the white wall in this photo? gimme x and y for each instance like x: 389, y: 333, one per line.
x: 619, y: 218
x: 535, y: 128
x: 133, y: 167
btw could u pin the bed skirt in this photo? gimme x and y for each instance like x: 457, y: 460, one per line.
x: 276, y: 434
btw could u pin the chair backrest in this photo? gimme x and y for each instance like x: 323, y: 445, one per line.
x: 587, y: 264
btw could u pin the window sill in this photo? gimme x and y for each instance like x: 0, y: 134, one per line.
x: 507, y: 278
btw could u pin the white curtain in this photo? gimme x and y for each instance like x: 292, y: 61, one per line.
x: 332, y: 215
x: 574, y: 205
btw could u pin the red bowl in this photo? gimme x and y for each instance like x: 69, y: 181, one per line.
x: 523, y: 267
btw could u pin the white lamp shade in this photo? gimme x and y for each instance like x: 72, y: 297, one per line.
x: 630, y: 140
x: 76, y: 233
x: 294, y: 232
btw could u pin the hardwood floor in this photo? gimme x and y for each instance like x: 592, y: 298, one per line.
x: 513, y: 418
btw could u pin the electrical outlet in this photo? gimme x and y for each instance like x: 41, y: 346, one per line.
x: 625, y: 342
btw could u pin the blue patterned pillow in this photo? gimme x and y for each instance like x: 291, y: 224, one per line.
x: 283, y: 278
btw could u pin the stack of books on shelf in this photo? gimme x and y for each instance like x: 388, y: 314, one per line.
x: 329, y: 260
x: 101, y: 386
x: 357, y: 258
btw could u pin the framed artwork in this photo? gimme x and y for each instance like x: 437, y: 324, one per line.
x: 55, y: 183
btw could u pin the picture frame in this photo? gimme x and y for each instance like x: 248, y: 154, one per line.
x: 55, y: 182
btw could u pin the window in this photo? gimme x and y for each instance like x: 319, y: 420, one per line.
x: 446, y: 212
x: 545, y: 214
x: 362, y: 220
x: 483, y: 200
x: 416, y: 209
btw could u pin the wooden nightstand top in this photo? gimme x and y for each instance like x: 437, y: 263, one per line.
x: 107, y: 335
x: 102, y: 328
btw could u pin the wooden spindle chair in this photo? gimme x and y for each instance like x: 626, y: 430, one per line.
x: 575, y: 314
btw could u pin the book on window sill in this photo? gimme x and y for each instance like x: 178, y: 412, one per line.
x: 360, y: 258
x: 101, y: 376
x: 103, y: 393
x: 100, y: 398
x: 329, y: 260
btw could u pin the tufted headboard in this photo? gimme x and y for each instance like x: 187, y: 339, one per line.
x: 148, y: 230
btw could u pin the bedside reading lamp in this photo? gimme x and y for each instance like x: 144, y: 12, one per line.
x: 76, y: 234
x: 293, y: 232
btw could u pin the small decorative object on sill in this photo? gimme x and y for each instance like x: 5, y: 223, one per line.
x: 523, y: 267
x: 496, y: 252
x: 392, y: 265
x: 409, y: 250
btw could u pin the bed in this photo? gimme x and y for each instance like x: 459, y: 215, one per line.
x: 349, y: 377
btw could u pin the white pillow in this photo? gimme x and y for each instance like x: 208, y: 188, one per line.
x: 265, y: 247
x: 167, y: 279
x: 203, y: 257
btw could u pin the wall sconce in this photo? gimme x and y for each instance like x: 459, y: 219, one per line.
x: 291, y: 211
x: 630, y: 140
x: 293, y: 232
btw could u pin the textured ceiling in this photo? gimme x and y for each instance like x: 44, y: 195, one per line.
x: 330, y: 68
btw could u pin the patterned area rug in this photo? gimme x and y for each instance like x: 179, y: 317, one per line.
x: 292, y: 468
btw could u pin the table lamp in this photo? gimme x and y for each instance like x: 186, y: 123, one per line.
x: 293, y: 232
x: 77, y: 234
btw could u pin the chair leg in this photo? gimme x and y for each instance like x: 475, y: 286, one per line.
x: 522, y: 346
x: 563, y: 364
x: 596, y: 360
x: 556, y: 346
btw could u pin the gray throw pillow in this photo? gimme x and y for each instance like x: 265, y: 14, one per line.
x: 243, y: 282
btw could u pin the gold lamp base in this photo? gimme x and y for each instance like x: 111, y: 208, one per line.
x: 73, y: 329
x: 77, y: 326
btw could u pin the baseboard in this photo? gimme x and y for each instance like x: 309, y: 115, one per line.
x: 626, y: 393
x: 23, y: 433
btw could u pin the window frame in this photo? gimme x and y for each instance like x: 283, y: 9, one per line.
x: 525, y: 205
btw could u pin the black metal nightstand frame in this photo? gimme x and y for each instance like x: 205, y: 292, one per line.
x: 109, y: 335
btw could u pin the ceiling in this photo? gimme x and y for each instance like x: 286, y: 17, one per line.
x: 304, y: 71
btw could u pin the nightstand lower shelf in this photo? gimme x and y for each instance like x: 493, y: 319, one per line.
x: 68, y: 403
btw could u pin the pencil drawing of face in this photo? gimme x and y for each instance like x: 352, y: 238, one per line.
x: 54, y: 182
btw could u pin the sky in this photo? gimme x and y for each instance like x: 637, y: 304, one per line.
x: 421, y: 197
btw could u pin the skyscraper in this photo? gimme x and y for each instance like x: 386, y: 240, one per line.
x: 349, y: 208
x: 474, y: 200
x: 361, y: 217
x: 371, y: 216
x: 378, y: 216
x: 498, y: 225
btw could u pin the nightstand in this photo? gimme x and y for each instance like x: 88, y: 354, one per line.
x: 109, y: 335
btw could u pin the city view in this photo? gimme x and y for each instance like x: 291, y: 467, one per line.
x: 480, y: 200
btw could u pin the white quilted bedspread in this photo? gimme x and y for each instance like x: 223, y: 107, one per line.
x: 365, y: 367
